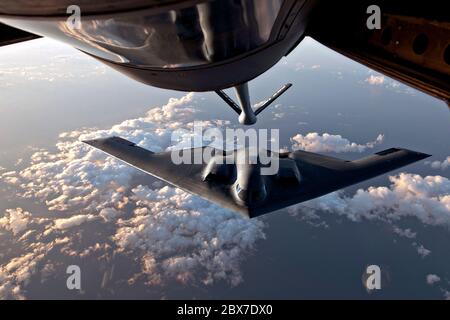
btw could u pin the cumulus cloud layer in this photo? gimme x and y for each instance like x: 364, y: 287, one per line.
x: 409, y: 195
x: 15, y: 220
x: 378, y: 80
x: 73, y: 221
x: 421, y: 250
x: 375, y: 80
x: 315, y: 142
x: 17, y: 68
x: 444, y: 164
x: 175, y: 234
x: 432, y: 279
x: 185, y: 237
x: 407, y: 233
x: 79, y: 177
x: 17, y: 273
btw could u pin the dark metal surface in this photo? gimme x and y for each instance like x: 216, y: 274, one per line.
x: 46, y: 8
x: 248, y: 115
x: 310, y: 175
x: 412, y: 46
x: 190, y: 35
x: 272, y: 99
x: 10, y: 35
x: 184, y: 45
x: 201, y: 45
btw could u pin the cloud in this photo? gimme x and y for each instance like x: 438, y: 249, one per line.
x: 409, y: 195
x: 46, y: 67
x: 304, y: 214
x: 185, y: 237
x: 15, y: 220
x: 406, y: 233
x: 314, y: 142
x: 73, y: 221
x: 432, y: 279
x: 279, y: 115
x: 173, y: 234
x: 421, y: 250
x: 299, y: 66
x: 379, y: 80
x: 17, y: 273
x: 79, y: 177
x: 109, y: 214
x: 10, y: 177
x: 51, y: 71
x: 444, y: 164
x: 375, y: 80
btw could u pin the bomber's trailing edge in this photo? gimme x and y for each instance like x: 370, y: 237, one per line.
x: 235, y: 180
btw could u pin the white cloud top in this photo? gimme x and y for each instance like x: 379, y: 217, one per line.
x: 315, y: 142
x: 375, y: 80
x: 432, y: 279
x: 73, y: 221
x: 176, y: 235
x: 444, y: 164
x: 409, y: 195
x: 15, y: 220
x: 183, y: 236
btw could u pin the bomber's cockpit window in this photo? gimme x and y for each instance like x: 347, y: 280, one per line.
x: 251, y: 196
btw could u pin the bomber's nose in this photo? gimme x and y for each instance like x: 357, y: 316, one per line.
x: 251, y: 196
x: 250, y: 187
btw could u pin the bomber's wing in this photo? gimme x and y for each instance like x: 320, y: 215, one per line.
x: 10, y: 35
x: 188, y: 177
x: 320, y: 174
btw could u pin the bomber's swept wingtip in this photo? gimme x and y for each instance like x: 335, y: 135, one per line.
x: 95, y: 142
x: 418, y: 155
x: 89, y: 142
x: 423, y: 155
x: 102, y: 142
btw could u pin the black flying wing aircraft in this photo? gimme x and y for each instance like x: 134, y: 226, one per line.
x: 241, y: 186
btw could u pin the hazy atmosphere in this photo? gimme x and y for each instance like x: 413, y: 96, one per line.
x: 63, y: 203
